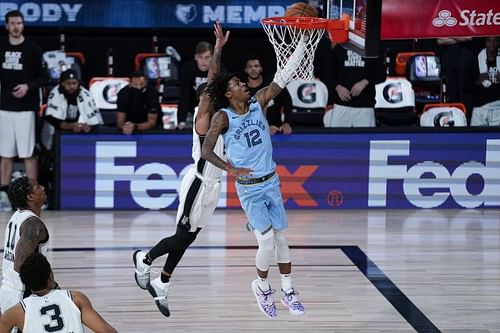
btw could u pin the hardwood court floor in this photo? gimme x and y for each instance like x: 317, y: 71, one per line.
x: 357, y: 271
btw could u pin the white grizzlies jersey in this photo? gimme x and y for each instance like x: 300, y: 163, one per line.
x: 53, y: 312
x: 204, y: 168
x: 10, y: 276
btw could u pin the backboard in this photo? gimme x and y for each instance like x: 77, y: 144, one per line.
x: 364, y: 23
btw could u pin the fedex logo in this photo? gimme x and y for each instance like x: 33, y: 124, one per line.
x: 166, y: 181
x: 108, y: 172
x: 443, y: 183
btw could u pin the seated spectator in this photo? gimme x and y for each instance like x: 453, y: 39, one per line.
x: 352, y: 83
x: 71, y: 107
x: 487, y: 95
x: 456, y: 54
x: 138, y: 106
x: 278, y: 109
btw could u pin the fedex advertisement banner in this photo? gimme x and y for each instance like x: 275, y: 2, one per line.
x: 378, y: 170
x: 145, y: 13
x: 407, y: 19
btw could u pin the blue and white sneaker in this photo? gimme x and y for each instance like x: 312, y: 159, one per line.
x: 265, y: 300
x: 290, y: 300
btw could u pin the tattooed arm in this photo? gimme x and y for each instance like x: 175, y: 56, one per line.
x: 264, y: 95
x: 218, y: 125
x: 31, y: 234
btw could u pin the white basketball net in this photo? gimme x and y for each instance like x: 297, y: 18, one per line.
x: 285, y: 39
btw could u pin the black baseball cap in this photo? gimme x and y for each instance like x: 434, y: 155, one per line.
x: 67, y: 75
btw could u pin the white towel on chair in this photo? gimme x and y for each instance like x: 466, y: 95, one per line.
x: 483, y: 61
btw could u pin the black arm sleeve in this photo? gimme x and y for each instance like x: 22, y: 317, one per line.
x: 152, y: 101
x: 54, y: 121
x: 40, y: 76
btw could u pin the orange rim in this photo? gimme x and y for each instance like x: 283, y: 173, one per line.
x: 306, y: 22
x: 337, y: 28
x: 302, y: 22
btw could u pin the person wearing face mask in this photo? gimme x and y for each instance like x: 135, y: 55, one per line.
x: 138, y: 105
x: 193, y: 74
x: 71, y: 107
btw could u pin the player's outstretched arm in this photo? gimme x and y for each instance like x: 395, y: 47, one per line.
x: 202, y: 121
x: 282, y: 76
x: 90, y: 317
x: 264, y: 95
x: 32, y: 233
x: 13, y: 317
x: 220, y: 40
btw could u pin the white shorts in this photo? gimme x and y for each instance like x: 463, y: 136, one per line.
x: 9, y: 297
x: 197, y: 199
x: 346, y: 116
x: 486, y: 115
x: 18, y: 133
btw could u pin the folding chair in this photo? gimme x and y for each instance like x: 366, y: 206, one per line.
x: 395, y: 103
x: 105, y: 91
x: 309, y: 100
x: 161, y: 70
x: 444, y: 115
x: 423, y: 70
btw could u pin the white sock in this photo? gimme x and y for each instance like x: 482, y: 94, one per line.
x: 263, y: 283
x: 286, y: 281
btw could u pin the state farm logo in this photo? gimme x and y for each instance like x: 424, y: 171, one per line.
x: 444, y: 19
x: 467, y: 18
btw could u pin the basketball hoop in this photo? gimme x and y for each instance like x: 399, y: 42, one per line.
x: 286, y: 33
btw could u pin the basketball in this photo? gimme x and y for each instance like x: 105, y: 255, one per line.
x: 300, y: 9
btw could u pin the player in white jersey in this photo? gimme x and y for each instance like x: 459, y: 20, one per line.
x: 25, y: 234
x: 198, y: 197
x: 49, y: 309
x: 247, y: 140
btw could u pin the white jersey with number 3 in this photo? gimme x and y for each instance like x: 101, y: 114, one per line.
x: 53, y: 312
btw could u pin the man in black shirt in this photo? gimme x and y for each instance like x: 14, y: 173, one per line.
x: 486, y: 110
x: 351, y: 84
x: 193, y: 73
x: 138, y: 105
x: 21, y: 76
